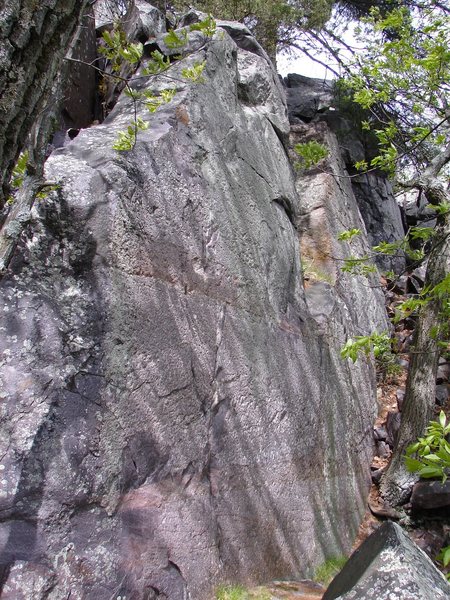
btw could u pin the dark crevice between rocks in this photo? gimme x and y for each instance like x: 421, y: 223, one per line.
x: 282, y: 136
x: 286, y: 205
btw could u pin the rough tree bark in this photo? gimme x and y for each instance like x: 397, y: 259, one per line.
x: 34, y: 37
x: 420, y: 387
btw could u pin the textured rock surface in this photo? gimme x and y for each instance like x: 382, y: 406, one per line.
x: 311, y: 100
x: 306, y: 97
x: 388, y: 566
x: 327, y: 206
x: 34, y: 37
x: 428, y: 495
x: 172, y: 415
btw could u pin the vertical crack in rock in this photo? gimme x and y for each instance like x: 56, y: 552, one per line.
x: 210, y: 428
x: 286, y: 206
x: 217, y: 368
x: 268, y: 183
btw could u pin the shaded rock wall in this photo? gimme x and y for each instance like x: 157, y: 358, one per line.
x: 313, y: 101
x: 327, y: 207
x: 172, y: 416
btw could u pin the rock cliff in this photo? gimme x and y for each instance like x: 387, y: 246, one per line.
x: 174, y: 409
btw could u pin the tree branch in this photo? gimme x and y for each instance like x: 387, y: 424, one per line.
x: 17, y: 219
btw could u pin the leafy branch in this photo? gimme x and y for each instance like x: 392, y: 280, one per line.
x: 119, y: 51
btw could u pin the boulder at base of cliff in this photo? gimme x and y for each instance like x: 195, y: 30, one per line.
x: 388, y: 566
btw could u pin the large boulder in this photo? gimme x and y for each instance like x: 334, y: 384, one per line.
x: 431, y: 495
x: 388, y: 566
x: 172, y: 417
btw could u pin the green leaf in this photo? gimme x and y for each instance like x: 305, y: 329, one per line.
x: 412, y: 448
x: 430, y: 472
x: 132, y: 52
x: 194, y: 73
x: 19, y: 170
x: 432, y: 458
x: 127, y: 139
x: 445, y: 556
x: 387, y: 248
x: 361, y: 165
x: 412, y: 464
x: 421, y: 233
x: 176, y: 40
x: 348, y: 235
x: 442, y: 209
x: 157, y: 64
x: 311, y: 153
x: 207, y: 26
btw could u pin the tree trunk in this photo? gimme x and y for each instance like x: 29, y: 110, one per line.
x: 419, y: 400
x: 34, y: 37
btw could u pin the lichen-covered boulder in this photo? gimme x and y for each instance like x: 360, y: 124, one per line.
x: 388, y: 566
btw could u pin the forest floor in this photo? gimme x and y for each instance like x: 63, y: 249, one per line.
x: 430, y: 533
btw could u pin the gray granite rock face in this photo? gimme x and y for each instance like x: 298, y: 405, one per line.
x: 172, y: 417
x: 388, y: 566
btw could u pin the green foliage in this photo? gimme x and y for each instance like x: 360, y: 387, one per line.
x: 440, y: 293
x: 274, y: 22
x: 118, y: 49
x: 238, y: 592
x: 361, y: 165
x: 231, y: 592
x: 46, y: 190
x: 358, y: 266
x: 329, y: 569
x: 157, y: 64
x: 127, y: 139
x: 311, y: 153
x: 387, y: 248
x: 429, y: 457
x: 401, y: 76
x: 444, y: 558
x: 378, y: 343
x: 421, y: 233
x: 348, y: 235
x: 175, y: 40
x: 18, y: 175
x: 206, y: 26
x: 441, y: 209
x: 415, y: 234
x: 19, y: 170
x: 408, y: 307
x: 194, y: 73
x: 153, y: 102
